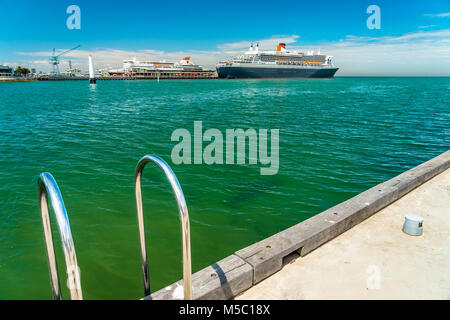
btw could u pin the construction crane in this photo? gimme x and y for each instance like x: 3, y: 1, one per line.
x: 54, y: 59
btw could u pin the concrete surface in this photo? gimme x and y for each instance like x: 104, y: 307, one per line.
x: 266, y: 256
x: 250, y: 265
x: 375, y: 259
x: 221, y: 281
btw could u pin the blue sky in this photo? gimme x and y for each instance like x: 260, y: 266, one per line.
x: 412, y: 31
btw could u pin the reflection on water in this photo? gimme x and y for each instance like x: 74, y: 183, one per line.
x: 337, y: 138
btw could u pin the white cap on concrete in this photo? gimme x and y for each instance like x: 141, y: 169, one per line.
x: 413, y: 225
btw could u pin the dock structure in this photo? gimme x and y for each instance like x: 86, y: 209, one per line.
x: 354, y: 250
x: 145, y: 76
x: 375, y: 259
x: 18, y: 80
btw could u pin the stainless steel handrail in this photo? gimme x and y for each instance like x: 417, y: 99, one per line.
x: 184, y: 219
x: 48, y: 186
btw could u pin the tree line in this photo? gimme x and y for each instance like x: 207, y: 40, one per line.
x: 22, y: 71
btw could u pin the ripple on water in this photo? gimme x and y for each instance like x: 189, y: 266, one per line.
x: 337, y: 138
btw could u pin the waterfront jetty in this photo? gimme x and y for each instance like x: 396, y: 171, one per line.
x: 354, y: 250
x: 375, y: 259
x: 150, y: 76
x: 18, y: 80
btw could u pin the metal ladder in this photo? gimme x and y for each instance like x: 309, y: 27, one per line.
x: 47, y: 186
x: 184, y: 219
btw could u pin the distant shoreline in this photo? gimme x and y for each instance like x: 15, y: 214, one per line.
x: 195, y: 78
x: 424, y: 76
x: 17, y: 80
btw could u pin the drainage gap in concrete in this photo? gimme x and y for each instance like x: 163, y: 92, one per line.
x: 291, y: 257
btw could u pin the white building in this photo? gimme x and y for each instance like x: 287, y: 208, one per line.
x: 6, y: 72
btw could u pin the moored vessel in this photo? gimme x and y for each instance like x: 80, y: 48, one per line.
x: 281, y: 63
x: 183, y: 69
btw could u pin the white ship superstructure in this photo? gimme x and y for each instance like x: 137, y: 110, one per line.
x: 279, y: 63
x: 146, y: 68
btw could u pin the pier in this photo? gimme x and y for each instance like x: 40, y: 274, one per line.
x: 375, y: 259
x: 150, y: 76
x: 17, y: 80
x: 357, y: 245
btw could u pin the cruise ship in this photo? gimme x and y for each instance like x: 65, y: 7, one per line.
x: 184, y: 68
x: 281, y: 63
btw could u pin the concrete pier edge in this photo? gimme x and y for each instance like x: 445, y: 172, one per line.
x: 238, y: 272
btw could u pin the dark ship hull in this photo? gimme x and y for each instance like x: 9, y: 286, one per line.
x: 247, y: 72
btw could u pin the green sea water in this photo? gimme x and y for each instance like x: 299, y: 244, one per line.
x: 338, y: 138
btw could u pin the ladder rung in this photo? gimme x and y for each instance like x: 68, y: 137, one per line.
x: 184, y: 219
x: 48, y: 186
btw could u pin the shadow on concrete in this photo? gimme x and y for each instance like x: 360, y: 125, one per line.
x: 223, y: 281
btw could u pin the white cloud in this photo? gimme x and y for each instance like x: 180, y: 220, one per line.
x: 113, y: 58
x: 438, y: 15
x: 263, y: 43
x: 403, y: 38
x: 416, y: 53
